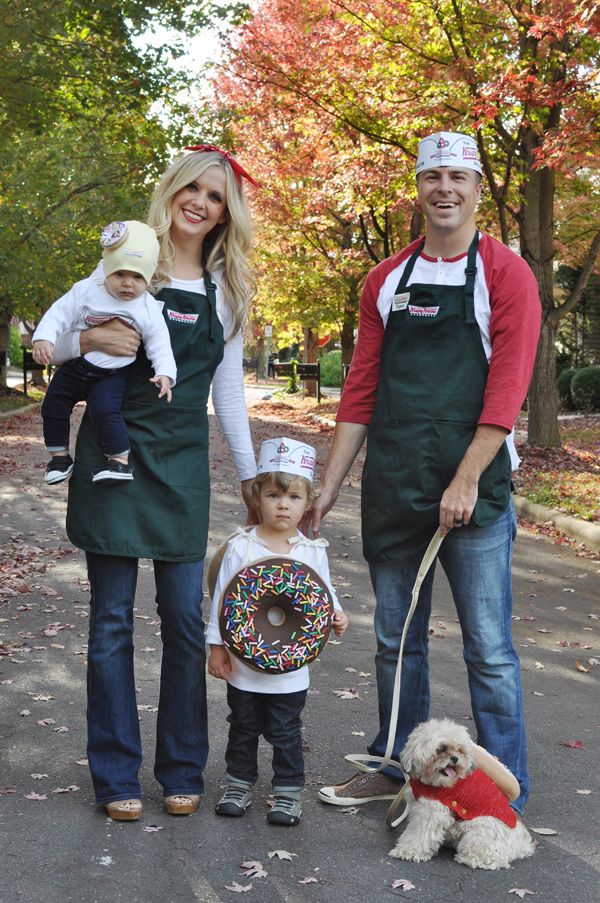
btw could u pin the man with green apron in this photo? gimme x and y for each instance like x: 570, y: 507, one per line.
x: 446, y: 345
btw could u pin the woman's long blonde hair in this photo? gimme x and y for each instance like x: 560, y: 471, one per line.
x: 226, y: 248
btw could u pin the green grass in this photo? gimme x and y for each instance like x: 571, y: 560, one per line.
x: 14, y: 402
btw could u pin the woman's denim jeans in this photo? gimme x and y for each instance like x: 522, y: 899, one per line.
x: 477, y: 563
x: 114, y: 746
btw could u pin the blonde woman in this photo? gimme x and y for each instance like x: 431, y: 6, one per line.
x: 200, y: 215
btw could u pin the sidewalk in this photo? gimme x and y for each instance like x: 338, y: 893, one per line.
x: 57, y: 847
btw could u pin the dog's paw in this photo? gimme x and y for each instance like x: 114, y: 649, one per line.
x: 482, y: 861
x: 410, y: 854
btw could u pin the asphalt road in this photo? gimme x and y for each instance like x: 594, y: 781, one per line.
x: 59, y: 847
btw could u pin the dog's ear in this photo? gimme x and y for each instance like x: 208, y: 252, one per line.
x: 406, y: 759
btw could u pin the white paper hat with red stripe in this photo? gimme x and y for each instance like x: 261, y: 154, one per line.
x: 285, y: 455
x: 448, y: 149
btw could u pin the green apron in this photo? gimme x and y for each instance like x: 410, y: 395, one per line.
x: 163, y: 512
x: 429, y: 400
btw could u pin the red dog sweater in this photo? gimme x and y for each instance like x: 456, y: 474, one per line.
x: 471, y: 796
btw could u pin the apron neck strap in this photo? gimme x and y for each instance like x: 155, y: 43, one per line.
x: 470, y: 273
x: 410, y: 267
x: 211, y: 295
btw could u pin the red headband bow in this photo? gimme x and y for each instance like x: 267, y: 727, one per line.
x: 239, y: 171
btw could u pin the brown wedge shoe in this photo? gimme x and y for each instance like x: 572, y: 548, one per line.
x: 124, y: 810
x: 183, y: 804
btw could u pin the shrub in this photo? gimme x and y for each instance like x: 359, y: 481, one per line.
x: 15, y: 353
x: 331, y: 368
x: 563, y: 384
x: 585, y: 388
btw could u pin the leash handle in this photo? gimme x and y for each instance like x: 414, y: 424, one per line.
x: 361, y: 760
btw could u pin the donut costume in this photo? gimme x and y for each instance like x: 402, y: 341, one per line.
x: 299, y: 586
x: 275, y: 614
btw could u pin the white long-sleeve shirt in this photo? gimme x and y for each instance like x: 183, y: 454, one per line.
x: 243, y: 548
x: 88, y: 304
x: 227, y: 385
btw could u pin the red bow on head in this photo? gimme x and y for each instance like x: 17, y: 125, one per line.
x: 239, y: 171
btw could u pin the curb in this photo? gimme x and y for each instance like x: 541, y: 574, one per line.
x: 580, y: 530
x: 28, y: 407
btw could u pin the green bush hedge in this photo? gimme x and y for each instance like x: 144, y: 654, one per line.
x: 15, y: 353
x: 331, y: 368
x: 563, y: 384
x: 585, y: 389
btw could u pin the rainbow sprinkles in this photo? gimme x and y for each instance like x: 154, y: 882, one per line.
x: 276, y: 614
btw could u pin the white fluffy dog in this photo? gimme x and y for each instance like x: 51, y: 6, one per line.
x: 453, y: 802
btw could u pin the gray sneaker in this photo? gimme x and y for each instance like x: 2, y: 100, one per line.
x: 236, y: 799
x: 287, y: 808
x: 362, y: 787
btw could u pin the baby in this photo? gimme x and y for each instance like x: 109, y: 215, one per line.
x: 130, y: 255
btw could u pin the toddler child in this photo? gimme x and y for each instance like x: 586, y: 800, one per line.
x: 269, y: 703
x: 130, y: 256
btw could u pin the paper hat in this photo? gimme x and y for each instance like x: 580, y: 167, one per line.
x: 448, y: 149
x: 287, y: 456
x: 129, y: 245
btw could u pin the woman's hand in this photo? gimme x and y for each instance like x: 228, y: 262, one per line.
x: 114, y: 338
x: 42, y: 351
x: 218, y: 662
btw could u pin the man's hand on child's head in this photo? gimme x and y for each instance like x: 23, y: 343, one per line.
x: 340, y: 622
x: 218, y: 662
x: 42, y: 351
x: 164, y: 383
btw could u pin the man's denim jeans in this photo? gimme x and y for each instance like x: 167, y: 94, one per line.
x: 477, y: 563
x: 114, y: 746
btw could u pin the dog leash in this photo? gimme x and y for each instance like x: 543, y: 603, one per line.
x: 360, y: 760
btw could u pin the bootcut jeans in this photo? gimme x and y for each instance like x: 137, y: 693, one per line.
x: 114, y: 746
x: 477, y: 562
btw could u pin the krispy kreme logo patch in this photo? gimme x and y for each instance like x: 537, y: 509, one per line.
x: 416, y: 311
x: 178, y: 317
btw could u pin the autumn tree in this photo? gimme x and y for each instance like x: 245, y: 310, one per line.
x: 82, y: 134
x: 518, y: 72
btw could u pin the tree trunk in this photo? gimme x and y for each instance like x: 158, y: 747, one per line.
x: 543, y: 399
x: 5, y: 318
x: 311, y: 353
x: 536, y: 233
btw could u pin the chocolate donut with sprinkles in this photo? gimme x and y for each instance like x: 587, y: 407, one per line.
x: 275, y: 615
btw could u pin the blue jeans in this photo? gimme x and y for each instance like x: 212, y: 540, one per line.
x: 477, y: 563
x: 114, y: 746
x: 277, y: 717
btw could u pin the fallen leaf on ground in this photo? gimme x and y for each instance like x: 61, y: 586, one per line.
x: 308, y: 880
x: 349, y: 810
x: 347, y: 693
x: 71, y: 788
x: 281, y: 854
x: 573, y: 744
x: 584, y: 792
x: 62, y: 730
x: 402, y: 883
x: 46, y: 722
x: 594, y: 661
x: 358, y: 733
x: 4, y: 791
x: 152, y: 829
x: 253, y: 869
x: 535, y: 693
x: 521, y: 891
x: 581, y: 667
x: 36, y: 796
x: 236, y: 888
x: 549, y: 832
x: 38, y: 777
x: 24, y: 713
